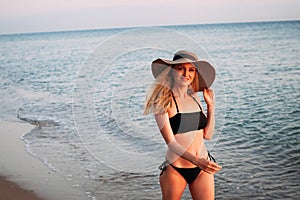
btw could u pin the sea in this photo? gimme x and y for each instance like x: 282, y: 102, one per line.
x: 85, y: 91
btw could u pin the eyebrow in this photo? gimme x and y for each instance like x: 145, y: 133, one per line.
x: 188, y: 67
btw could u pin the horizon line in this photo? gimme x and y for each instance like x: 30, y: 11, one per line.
x: 149, y: 26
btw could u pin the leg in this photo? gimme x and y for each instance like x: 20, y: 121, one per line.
x: 172, y: 184
x: 203, y: 188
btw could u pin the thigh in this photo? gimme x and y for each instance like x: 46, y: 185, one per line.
x: 172, y: 184
x: 203, y: 187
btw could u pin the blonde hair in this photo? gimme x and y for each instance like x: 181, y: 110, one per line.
x: 159, y: 98
x: 195, y: 84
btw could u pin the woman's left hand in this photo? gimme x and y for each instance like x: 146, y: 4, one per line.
x: 209, y: 97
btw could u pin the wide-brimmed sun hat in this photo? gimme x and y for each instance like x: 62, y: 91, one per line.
x: 205, y: 70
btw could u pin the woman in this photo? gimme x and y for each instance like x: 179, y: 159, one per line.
x: 183, y: 124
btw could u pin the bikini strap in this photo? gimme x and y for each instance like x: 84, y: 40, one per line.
x: 175, y: 102
x: 196, y: 101
x: 211, y: 157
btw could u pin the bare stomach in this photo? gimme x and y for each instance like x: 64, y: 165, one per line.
x: 193, y: 142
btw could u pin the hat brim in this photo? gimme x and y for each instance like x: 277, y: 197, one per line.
x: 205, y: 70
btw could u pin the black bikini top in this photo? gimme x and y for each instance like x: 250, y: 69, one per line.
x: 184, y: 122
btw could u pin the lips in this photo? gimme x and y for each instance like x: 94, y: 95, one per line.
x: 184, y: 79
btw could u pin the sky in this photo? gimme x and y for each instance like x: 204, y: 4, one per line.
x: 23, y: 16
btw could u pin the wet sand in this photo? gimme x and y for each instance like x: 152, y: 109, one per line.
x: 11, y: 191
x: 22, y: 174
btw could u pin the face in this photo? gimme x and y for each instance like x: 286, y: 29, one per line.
x: 184, y: 74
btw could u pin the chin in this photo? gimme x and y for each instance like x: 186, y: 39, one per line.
x: 185, y: 84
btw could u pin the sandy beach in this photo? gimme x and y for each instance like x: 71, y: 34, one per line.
x: 25, y: 177
x: 11, y: 191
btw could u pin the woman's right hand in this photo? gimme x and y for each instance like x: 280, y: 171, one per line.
x: 207, y: 165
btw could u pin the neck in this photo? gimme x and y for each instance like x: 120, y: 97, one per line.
x: 180, y: 91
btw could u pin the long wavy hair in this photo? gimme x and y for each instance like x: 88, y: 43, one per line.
x: 159, y: 97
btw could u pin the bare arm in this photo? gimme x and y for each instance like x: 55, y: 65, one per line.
x: 209, y: 98
x: 167, y: 133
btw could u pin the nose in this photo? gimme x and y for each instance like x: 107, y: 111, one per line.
x: 184, y: 72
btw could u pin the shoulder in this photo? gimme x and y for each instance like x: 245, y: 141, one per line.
x: 196, y: 96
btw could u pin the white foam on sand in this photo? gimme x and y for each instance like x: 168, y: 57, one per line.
x: 28, y: 172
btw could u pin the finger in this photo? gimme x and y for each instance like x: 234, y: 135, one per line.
x: 210, y: 171
x: 216, y: 167
x: 213, y: 167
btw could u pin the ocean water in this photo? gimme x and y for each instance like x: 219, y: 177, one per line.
x: 84, y: 91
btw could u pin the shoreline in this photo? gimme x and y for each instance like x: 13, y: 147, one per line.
x: 11, y: 191
x: 26, y: 174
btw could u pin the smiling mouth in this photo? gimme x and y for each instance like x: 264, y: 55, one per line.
x: 184, y: 79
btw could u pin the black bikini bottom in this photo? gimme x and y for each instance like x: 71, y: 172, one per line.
x: 189, y: 174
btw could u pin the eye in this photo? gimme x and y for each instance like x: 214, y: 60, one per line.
x: 178, y: 68
x: 192, y: 69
